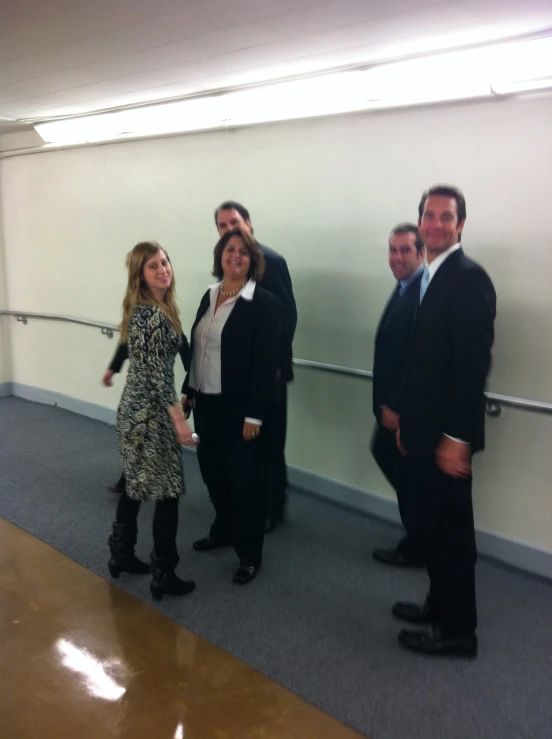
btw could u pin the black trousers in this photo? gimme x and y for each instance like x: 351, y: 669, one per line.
x: 450, y: 545
x: 276, y: 470
x: 233, y: 470
x: 165, y: 521
x: 397, y: 470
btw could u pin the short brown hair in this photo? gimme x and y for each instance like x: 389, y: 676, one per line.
x: 257, y: 266
x: 448, y: 191
x: 410, y: 228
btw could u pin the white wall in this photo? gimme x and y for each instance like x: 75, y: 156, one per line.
x: 325, y: 193
x: 5, y: 354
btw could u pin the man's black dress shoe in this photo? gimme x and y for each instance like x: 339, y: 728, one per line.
x: 414, y: 613
x: 433, y: 643
x: 203, y: 545
x: 394, y: 558
x: 245, y: 573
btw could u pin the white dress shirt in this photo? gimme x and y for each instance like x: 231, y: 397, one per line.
x: 205, y: 372
x: 438, y: 261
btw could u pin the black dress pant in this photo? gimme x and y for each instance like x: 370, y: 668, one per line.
x: 397, y: 470
x: 232, y: 469
x: 450, y: 545
x: 165, y: 521
x: 276, y: 470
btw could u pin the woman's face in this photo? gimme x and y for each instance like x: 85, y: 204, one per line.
x: 157, y: 272
x: 235, y: 260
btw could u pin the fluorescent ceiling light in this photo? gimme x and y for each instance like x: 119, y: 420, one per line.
x: 471, y: 73
x: 505, y: 88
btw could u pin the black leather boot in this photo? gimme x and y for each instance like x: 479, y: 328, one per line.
x: 121, y: 545
x: 164, y: 580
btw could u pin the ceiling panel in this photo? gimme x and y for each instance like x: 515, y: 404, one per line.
x: 60, y: 57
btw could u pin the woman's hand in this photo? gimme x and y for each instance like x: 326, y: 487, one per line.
x: 106, y: 379
x: 182, y: 428
x: 251, y: 430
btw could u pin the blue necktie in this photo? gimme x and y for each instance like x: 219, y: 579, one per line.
x: 424, y: 283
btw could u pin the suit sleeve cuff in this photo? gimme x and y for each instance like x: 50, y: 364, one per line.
x: 253, y: 420
x: 455, y: 439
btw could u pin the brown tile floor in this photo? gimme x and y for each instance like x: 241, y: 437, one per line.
x: 82, y: 659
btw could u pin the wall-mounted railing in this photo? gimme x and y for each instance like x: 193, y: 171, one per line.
x: 494, y: 401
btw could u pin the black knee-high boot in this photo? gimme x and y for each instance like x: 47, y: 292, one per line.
x: 121, y: 545
x: 165, y: 581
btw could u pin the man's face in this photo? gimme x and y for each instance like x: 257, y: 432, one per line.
x: 228, y: 219
x: 439, y: 224
x: 404, y: 260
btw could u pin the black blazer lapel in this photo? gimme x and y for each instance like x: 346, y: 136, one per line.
x: 201, y: 311
x: 440, y: 278
x: 390, y: 308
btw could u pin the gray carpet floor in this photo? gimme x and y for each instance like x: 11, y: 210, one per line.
x: 317, y: 619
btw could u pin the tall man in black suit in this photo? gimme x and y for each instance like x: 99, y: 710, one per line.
x: 406, y: 256
x: 442, y: 422
x: 278, y: 281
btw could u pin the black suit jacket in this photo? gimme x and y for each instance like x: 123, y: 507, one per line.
x: 391, y: 345
x: 450, y: 356
x: 278, y: 281
x: 249, y: 354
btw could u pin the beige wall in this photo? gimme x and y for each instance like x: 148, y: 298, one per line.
x: 5, y: 354
x: 325, y: 193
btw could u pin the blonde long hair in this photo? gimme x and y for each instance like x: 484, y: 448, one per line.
x: 137, y: 290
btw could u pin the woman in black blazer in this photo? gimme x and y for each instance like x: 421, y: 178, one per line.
x: 232, y: 386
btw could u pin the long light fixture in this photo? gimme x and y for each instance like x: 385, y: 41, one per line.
x: 498, y: 69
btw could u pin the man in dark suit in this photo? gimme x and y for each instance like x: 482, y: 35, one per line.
x: 406, y: 256
x: 277, y: 281
x: 442, y: 423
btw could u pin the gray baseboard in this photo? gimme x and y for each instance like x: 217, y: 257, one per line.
x: 345, y: 495
x: 5, y: 389
x: 494, y: 546
x: 68, y: 403
x: 508, y: 551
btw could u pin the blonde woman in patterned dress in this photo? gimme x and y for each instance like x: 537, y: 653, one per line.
x: 150, y: 422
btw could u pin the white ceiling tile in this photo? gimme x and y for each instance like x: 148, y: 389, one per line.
x: 17, y: 13
x: 84, y: 55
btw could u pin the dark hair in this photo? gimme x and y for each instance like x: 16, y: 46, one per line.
x: 257, y: 266
x: 447, y: 191
x: 233, y: 205
x: 410, y: 228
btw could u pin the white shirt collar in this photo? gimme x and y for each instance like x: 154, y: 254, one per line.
x: 438, y: 261
x: 247, y: 291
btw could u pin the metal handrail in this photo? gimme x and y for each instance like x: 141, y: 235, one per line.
x: 494, y: 401
x: 22, y: 316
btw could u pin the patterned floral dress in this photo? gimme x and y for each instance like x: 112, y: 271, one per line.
x: 150, y: 453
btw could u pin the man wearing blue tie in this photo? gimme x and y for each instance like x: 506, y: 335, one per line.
x: 406, y: 255
x: 442, y: 423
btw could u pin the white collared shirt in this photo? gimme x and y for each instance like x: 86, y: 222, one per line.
x: 205, y: 372
x: 433, y: 266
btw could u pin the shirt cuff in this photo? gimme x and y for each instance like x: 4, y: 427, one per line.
x: 455, y: 439
x: 253, y: 420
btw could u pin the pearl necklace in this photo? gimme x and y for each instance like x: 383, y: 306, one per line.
x: 232, y: 292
